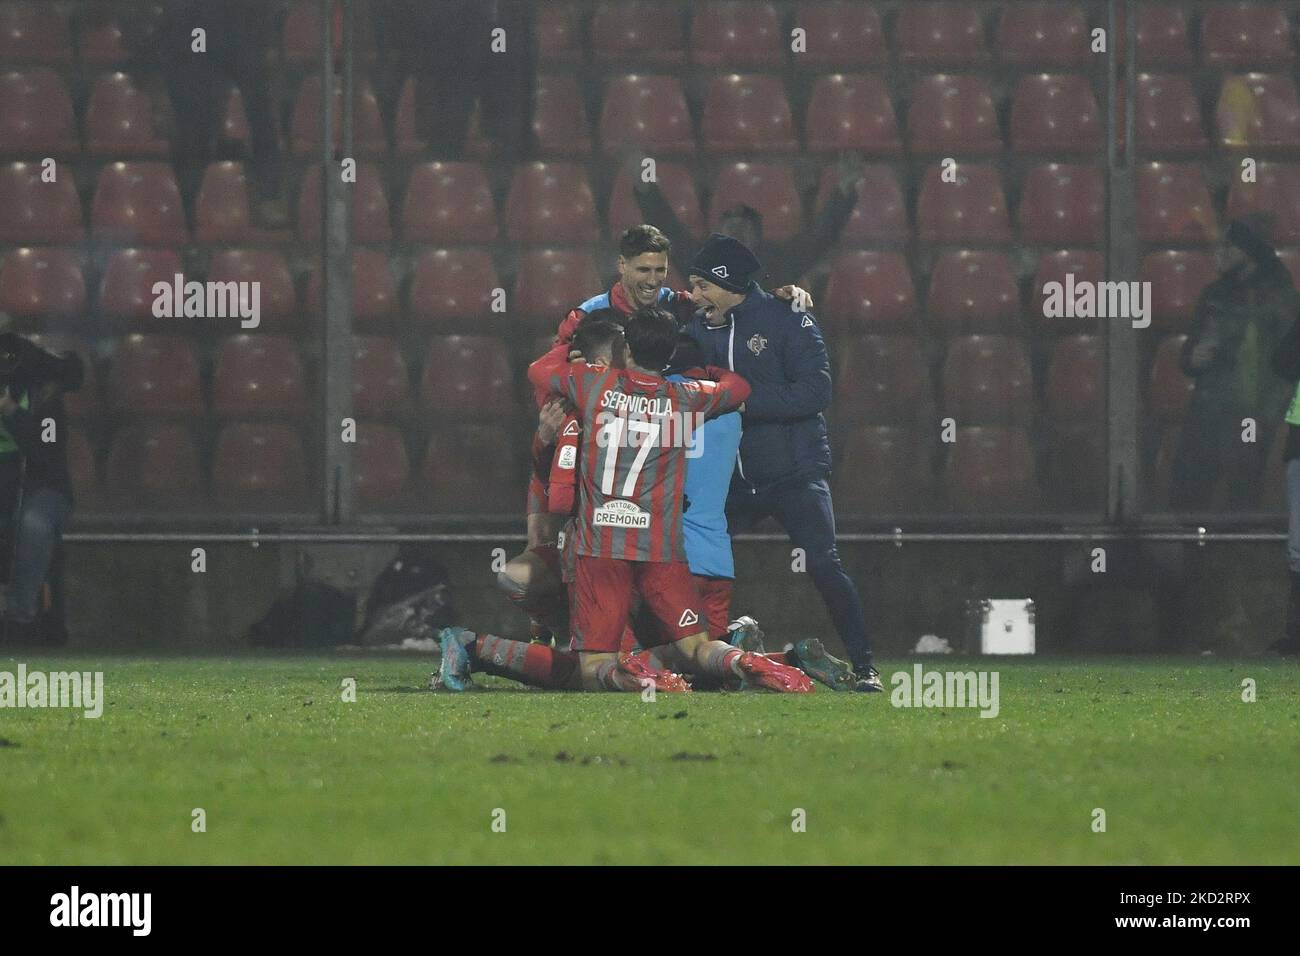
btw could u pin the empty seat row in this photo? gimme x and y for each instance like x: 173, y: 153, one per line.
x: 948, y: 34
x: 967, y: 290
x: 263, y: 465
x: 730, y: 31
x: 266, y: 375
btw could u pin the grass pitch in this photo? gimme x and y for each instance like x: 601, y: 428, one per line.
x: 286, y: 771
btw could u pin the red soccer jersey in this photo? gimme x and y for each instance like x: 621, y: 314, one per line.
x: 632, y: 463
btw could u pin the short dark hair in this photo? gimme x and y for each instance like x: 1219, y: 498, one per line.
x: 598, y: 332
x: 642, y: 238
x: 651, y: 336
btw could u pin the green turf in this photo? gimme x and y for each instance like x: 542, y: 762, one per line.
x: 289, y: 773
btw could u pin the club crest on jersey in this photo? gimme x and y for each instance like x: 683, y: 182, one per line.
x: 620, y: 514
x: 719, y: 271
x: 757, y: 343
x: 688, y: 618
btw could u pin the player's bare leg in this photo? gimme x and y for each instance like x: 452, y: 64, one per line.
x: 699, y: 654
x: 534, y: 586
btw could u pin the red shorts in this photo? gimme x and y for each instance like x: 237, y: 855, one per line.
x: 602, y: 594
x: 716, y: 595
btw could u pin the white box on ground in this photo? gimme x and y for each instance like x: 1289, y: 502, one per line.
x: 1006, y: 625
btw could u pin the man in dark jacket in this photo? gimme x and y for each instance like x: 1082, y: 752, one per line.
x: 785, y: 455
x: 1239, y: 320
x: 33, y: 470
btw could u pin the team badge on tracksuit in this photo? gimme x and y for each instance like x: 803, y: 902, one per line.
x: 757, y: 343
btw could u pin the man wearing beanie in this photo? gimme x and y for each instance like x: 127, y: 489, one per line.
x: 1240, y: 318
x: 784, y: 463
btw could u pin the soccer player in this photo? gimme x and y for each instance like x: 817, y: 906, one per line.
x: 627, y: 538
x: 785, y: 455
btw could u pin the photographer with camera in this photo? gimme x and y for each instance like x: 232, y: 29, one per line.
x: 35, y: 488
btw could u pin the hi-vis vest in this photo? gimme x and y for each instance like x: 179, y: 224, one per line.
x: 1293, y: 410
x: 7, y: 443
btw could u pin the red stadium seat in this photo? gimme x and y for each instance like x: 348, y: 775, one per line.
x: 1063, y: 205
x: 1055, y: 114
x: 278, y: 299
x: 880, y: 378
x: 971, y: 209
x: 879, y: 216
x: 259, y: 465
x: 767, y: 188
x: 1076, y: 379
x: 42, y: 284
x: 36, y: 115
x: 1168, y: 116
x: 940, y: 34
x: 374, y: 290
x: 646, y: 111
x: 470, y: 469
x: 1259, y: 110
x: 1246, y: 35
x: 852, y: 112
x: 551, y: 282
x: 973, y: 291
x: 880, y: 470
x: 953, y: 114
x: 448, y: 203
x: 120, y: 120
x: 34, y: 32
x: 138, y: 203
x: 370, y: 221
x: 467, y: 376
x: 1043, y: 33
x: 155, y: 375
x: 302, y: 34
x: 126, y: 285
x: 1169, y: 391
x: 871, y: 290
x: 991, y: 469
x: 676, y: 183
x: 559, y: 34
x: 726, y: 34
x: 34, y: 211
x: 1085, y: 265
x: 550, y: 203
x: 154, y: 463
x: 638, y: 32
x: 560, y: 118
x: 1276, y: 190
x: 222, y: 209
x: 1162, y: 35
x: 987, y: 380
x: 381, y: 383
x: 747, y: 114
x: 258, y: 376
x: 101, y: 42
x: 840, y: 34
x: 84, y: 402
x: 1177, y: 280
x: 450, y: 284
x: 369, y: 139
x: 381, y: 468
x: 1174, y: 204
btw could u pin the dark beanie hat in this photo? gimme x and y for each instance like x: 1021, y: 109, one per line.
x: 725, y: 262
